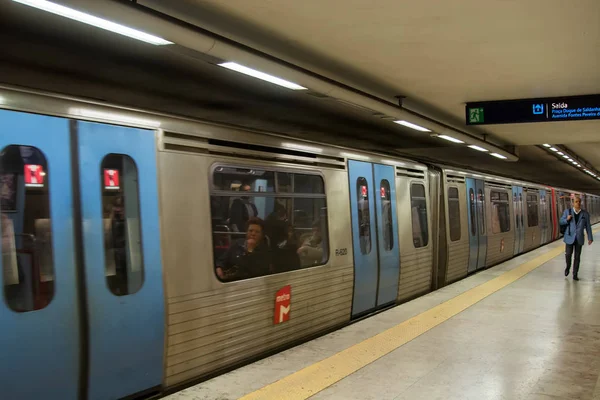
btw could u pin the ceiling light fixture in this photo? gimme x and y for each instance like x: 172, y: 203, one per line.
x: 474, y: 147
x: 560, y: 153
x: 94, y: 21
x: 547, y: 145
x: 413, y: 126
x: 566, y: 156
x: 261, y: 75
x: 553, y: 149
x: 450, y: 139
x: 498, y: 156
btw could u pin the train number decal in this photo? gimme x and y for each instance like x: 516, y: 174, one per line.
x: 341, y: 252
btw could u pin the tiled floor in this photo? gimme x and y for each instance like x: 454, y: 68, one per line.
x: 537, y: 338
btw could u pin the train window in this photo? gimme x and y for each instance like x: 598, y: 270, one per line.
x: 500, y: 212
x: 364, y: 215
x: 418, y: 204
x: 472, y: 212
x: 278, y: 224
x: 480, y: 213
x: 26, y: 227
x: 454, y: 213
x: 532, y: 210
x: 386, y: 215
x: 123, y: 260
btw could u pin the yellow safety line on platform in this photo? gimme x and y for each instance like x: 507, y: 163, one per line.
x: 309, y: 381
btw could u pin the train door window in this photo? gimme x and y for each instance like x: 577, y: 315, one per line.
x: 386, y: 215
x: 364, y: 215
x: 454, y: 214
x: 123, y: 260
x: 532, y: 210
x: 418, y: 203
x: 517, y: 211
x: 500, y: 212
x: 266, y: 221
x: 473, y: 211
x: 544, y: 211
x: 480, y: 208
x: 521, y: 210
x: 26, y: 228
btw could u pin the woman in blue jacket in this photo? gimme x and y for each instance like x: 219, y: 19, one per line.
x: 577, y: 221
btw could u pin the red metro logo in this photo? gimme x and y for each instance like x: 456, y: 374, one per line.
x: 283, y: 298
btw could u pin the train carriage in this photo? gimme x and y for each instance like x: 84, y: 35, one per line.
x: 126, y: 242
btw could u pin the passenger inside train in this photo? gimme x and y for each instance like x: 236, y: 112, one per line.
x: 246, y: 258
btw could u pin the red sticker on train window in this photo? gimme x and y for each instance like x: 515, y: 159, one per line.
x: 283, y: 299
x: 363, y: 191
x: 382, y: 190
x: 111, y: 179
x: 34, y: 175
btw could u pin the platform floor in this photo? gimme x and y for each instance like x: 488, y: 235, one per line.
x: 520, y: 330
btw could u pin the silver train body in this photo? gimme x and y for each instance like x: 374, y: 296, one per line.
x: 208, y: 324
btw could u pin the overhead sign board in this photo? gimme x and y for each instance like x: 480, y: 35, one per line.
x: 551, y: 109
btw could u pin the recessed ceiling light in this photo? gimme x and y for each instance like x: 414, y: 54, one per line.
x: 94, y: 21
x: 560, y: 153
x: 553, y: 149
x: 477, y: 148
x: 261, y: 75
x: 566, y: 156
x: 413, y: 126
x: 547, y: 145
x: 498, y: 156
x: 450, y: 139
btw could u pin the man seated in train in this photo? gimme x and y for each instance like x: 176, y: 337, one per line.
x: 246, y: 258
x: 311, y: 247
x: 577, y: 221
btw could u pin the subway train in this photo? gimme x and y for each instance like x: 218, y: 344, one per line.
x: 142, y: 252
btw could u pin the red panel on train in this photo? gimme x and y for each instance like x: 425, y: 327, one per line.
x: 111, y: 179
x: 34, y: 175
x: 283, y: 298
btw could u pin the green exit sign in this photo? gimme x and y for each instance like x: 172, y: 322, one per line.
x: 476, y: 115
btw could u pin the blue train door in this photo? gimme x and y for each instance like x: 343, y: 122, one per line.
x: 119, y: 200
x: 387, y: 234
x: 83, y: 309
x: 375, y: 235
x: 481, y: 224
x: 39, y: 317
x: 519, y: 228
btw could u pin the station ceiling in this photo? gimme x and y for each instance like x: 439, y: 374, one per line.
x: 438, y: 55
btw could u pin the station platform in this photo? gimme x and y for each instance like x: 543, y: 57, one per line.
x: 520, y: 330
